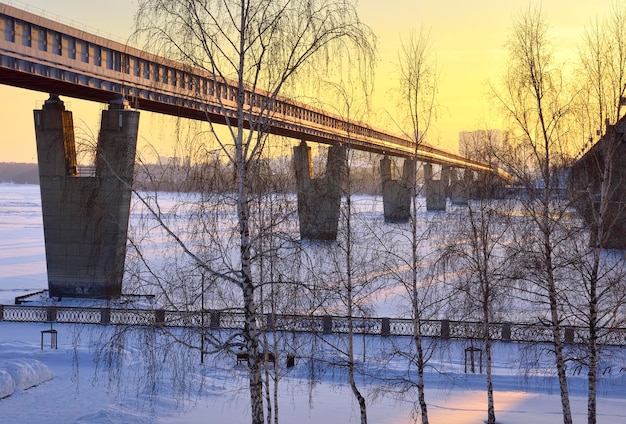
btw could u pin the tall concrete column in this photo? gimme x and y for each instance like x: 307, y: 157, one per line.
x: 469, y: 183
x: 446, y: 170
x: 397, y: 193
x: 435, y: 190
x: 428, y: 172
x: 85, y: 218
x: 459, y: 189
x: 487, y: 186
x: 319, y: 199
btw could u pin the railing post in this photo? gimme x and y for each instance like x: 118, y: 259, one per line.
x: 159, y: 317
x: 385, y: 327
x: 445, y: 328
x: 269, y: 322
x: 1, y: 312
x: 506, y: 331
x: 327, y: 324
x: 215, y: 319
x: 569, y: 335
x: 105, y: 316
x: 51, y: 313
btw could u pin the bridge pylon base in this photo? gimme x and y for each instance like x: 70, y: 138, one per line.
x: 319, y: 199
x: 459, y: 189
x: 85, y: 218
x: 434, y: 190
x: 397, y: 192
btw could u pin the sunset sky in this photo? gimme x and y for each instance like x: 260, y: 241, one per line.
x: 468, y: 42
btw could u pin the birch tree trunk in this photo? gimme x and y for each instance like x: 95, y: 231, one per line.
x: 535, y: 99
x: 249, y: 47
x: 603, y: 66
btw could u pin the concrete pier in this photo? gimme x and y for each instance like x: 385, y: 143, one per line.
x: 460, y: 187
x: 435, y: 190
x: 397, y: 193
x: 319, y: 199
x: 85, y: 218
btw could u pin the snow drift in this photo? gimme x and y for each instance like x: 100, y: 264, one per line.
x: 22, y: 374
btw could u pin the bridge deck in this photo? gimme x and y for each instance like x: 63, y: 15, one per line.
x: 40, y: 54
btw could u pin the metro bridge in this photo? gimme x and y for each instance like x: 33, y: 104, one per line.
x: 86, y: 218
x: 40, y: 54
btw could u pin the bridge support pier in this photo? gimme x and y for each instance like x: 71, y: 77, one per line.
x: 435, y: 190
x: 460, y: 188
x: 85, y: 219
x: 397, y: 193
x: 319, y: 199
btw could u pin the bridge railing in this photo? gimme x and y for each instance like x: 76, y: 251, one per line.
x: 322, y: 324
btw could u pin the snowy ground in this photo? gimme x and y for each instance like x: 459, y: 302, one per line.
x: 67, y: 388
x: 77, y: 394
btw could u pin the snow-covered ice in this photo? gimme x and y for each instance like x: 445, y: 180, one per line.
x: 66, y: 385
x: 79, y: 394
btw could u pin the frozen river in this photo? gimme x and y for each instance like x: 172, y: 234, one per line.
x: 79, y: 393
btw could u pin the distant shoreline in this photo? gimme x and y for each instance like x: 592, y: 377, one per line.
x: 19, y: 173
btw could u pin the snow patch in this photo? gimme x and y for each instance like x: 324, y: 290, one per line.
x: 114, y: 416
x: 7, y: 386
x: 27, y: 373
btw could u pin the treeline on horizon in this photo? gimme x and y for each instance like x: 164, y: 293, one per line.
x: 214, y: 176
x: 270, y: 175
x: 19, y: 173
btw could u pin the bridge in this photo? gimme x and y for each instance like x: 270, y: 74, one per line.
x: 602, y: 169
x: 40, y: 54
x: 82, y: 243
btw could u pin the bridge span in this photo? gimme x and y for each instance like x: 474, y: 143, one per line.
x: 40, y: 54
x: 86, y: 218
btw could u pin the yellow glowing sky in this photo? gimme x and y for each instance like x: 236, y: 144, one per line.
x: 468, y: 39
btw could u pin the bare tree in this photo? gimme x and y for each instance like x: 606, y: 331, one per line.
x: 350, y: 283
x: 535, y: 98
x: 598, y: 185
x: 417, y: 90
x: 350, y: 265
x: 477, y: 253
x: 276, y: 285
x: 419, y: 79
x: 418, y: 84
x: 248, y: 46
x: 351, y: 289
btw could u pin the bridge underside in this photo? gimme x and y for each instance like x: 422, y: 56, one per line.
x: 33, y: 76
